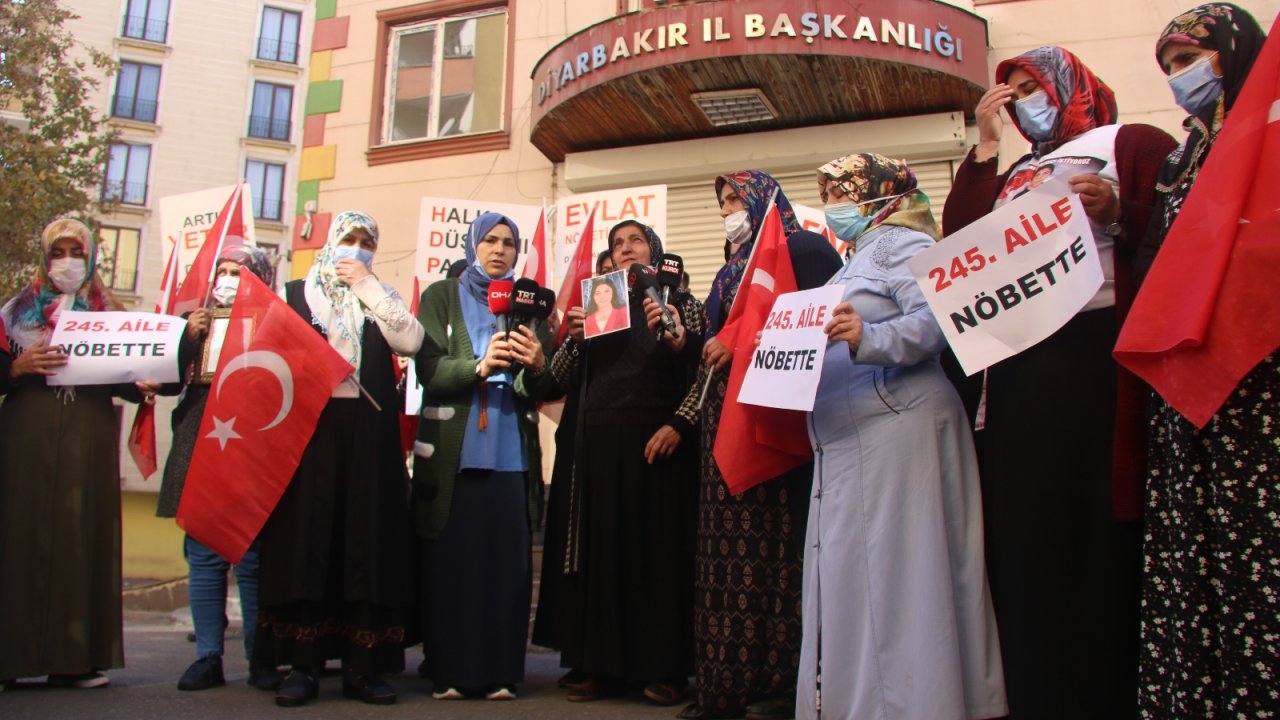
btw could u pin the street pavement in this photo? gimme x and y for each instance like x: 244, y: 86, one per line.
x: 157, y: 651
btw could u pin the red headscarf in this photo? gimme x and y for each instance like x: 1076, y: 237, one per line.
x: 1084, y: 102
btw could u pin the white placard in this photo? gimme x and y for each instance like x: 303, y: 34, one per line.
x: 104, y: 348
x: 648, y: 204
x: 186, y: 219
x: 442, y: 232
x: 1013, y: 278
x: 787, y: 364
x: 412, y: 389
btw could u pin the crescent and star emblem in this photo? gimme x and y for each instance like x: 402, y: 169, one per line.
x: 223, y: 431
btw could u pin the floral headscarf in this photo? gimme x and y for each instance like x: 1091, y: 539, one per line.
x: 869, y: 176
x: 31, y: 312
x: 1084, y: 102
x: 755, y: 188
x: 332, y: 303
x: 255, y: 260
x: 1238, y: 39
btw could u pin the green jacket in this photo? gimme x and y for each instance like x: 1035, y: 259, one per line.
x: 446, y: 366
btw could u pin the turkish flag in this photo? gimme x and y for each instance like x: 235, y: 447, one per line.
x: 753, y: 443
x: 142, y: 440
x: 1209, y: 310
x: 581, y: 267
x: 275, y: 376
x: 227, y: 231
x: 535, y: 266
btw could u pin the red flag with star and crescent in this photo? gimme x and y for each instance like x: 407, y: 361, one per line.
x: 1209, y: 309
x: 274, y: 378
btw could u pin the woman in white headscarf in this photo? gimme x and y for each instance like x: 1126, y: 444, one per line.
x: 336, y: 550
x: 59, y: 481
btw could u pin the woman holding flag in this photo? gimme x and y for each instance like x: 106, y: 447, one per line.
x: 1204, y: 327
x: 896, y: 609
x: 336, y: 550
x: 738, y: 671
x: 60, y: 611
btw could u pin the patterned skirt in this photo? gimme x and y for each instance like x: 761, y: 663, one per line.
x: 1211, y: 586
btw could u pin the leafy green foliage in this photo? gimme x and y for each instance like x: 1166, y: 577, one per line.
x: 53, y: 166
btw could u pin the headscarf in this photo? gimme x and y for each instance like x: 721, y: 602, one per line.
x: 755, y: 189
x: 1238, y: 39
x: 870, y: 176
x: 1084, y: 102
x: 474, y: 283
x: 332, y: 302
x: 655, y: 242
x: 32, y: 312
x: 254, y: 259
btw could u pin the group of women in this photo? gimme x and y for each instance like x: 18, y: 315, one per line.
x: 928, y: 563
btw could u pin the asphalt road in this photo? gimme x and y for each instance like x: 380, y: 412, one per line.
x: 157, y: 651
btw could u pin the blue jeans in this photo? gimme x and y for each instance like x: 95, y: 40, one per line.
x: 207, y: 590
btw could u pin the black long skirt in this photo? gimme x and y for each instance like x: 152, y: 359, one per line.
x: 477, y: 584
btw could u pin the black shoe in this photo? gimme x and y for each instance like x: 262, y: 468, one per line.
x: 777, y: 708
x: 299, y: 687
x: 368, y: 688
x: 203, y: 674
x: 265, y: 677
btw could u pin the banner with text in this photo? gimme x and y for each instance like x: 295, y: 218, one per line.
x: 442, y: 232
x: 647, y: 204
x: 787, y: 364
x: 1011, y: 279
x: 186, y: 219
x: 104, y: 348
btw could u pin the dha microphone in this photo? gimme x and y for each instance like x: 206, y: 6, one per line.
x: 642, y: 280
x: 500, y: 301
x: 544, y: 300
x: 670, y: 272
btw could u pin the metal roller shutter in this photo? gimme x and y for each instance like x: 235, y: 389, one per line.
x: 696, y: 232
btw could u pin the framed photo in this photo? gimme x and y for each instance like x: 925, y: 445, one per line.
x: 219, y: 322
x: 604, y: 300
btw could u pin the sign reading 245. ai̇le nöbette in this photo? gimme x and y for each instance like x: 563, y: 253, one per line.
x: 1013, y: 278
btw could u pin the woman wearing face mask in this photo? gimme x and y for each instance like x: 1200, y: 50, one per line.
x: 630, y: 545
x: 896, y: 609
x: 1081, y: 558
x: 207, y: 571
x: 336, y: 549
x: 59, y: 481
x: 478, y: 473
x: 1211, y: 567
x: 747, y: 571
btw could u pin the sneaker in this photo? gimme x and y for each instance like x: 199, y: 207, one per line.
x: 447, y: 693
x: 502, y: 692
x: 203, y: 674
x: 83, y: 680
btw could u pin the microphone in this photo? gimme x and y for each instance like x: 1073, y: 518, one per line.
x: 500, y: 301
x: 544, y: 301
x: 670, y: 272
x: 524, y: 300
x: 642, y: 280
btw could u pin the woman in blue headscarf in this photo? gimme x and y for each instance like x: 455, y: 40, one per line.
x: 478, y: 473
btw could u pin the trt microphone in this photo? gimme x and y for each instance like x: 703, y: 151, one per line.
x: 643, y: 281
x: 500, y: 301
x: 670, y: 272
x: 524, y: 301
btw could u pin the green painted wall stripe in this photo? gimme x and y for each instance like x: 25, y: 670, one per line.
x: 307, y: 190
x: 326, y: 9
x: 324, y: 97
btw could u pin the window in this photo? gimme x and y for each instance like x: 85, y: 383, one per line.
x: 278, y: 39
x: 146, y: 20
x: 127, y: 174
x: 137, y: 90
x: 267, y: 181
x: 118, y: 257
x: 272, y: 108
x: 446, y: 76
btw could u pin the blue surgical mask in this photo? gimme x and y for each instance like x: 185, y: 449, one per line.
x: 846, y: 221
x: 1195, y: 87
x: 1036, y: 115
x: 353, y: 252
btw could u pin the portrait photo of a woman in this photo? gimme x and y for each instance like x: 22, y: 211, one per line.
x: 605, y: 304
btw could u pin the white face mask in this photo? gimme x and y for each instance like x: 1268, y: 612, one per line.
x: 224, y: 290
x: 67, y: 274
x: 737, y: 227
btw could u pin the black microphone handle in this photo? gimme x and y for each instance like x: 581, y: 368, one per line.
x: 668, y: 323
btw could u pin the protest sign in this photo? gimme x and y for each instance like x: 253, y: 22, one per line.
x: 647, y: 204
x: 442, y: 232
x: 1011, y: 279
x: 787, y: 364
x: 103, y: 348
x: 185, y: 220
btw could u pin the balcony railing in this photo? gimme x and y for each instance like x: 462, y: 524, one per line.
x: 129, y: 193
x: 138, y: 26
x: 122, y: 280
x: 133, y: 108
x: 265, y: 126
x: 284, y: 51
x: 271, y: 209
